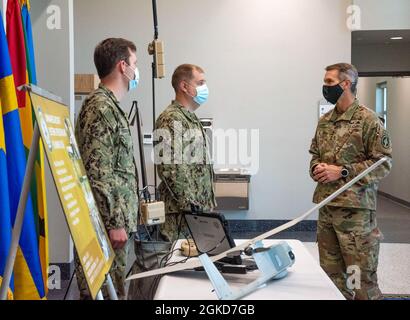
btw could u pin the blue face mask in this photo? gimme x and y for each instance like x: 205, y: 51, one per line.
x: 133, y: 83
x: 202, y: 93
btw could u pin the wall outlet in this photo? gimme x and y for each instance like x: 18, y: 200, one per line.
x: 148, y: 139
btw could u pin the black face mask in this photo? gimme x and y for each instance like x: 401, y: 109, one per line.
x: 333, y: 93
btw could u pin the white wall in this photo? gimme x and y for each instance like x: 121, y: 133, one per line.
x: 264, y: 63
x: 54, y: 62
x: 3, y: 12
x: 384, y: 14
x: 397, y: 183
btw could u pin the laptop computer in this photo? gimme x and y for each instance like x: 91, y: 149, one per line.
x: 211, y: 235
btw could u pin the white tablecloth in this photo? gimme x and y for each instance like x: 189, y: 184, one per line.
x: 306, y: 280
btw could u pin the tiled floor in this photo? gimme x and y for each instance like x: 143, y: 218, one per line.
x: 394, y: 266
x: 394, y: 263
x: 394, y: 221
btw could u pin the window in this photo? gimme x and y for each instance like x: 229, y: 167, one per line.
x: 381, y: 101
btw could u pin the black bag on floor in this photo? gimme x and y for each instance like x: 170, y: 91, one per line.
x: 149, y: 256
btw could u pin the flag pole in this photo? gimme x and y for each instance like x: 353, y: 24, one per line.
x: 18, y: 224
x: 111, y: 289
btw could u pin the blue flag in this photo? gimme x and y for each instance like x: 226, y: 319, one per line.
x: 27, y: 269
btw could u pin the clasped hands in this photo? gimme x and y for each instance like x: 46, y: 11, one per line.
x: 326, y: 173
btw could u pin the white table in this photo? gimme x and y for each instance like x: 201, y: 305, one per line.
x: 306, y: 280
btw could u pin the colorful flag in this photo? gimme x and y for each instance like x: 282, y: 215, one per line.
x: 17, y: 51
x: 28, y: 278
x: 38, y: 188
x: 5, y: 223
x: 28, y: 35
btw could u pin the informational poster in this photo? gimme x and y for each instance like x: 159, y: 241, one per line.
x: 84, y: 221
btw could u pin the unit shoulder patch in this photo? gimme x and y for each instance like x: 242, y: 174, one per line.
x: 385, y: 140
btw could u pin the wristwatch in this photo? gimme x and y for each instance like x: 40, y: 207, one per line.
x: 344, y: 173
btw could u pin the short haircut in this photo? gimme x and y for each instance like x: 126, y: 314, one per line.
x: 346, y: 72
x: 184, y: 73
x: 111, y: 51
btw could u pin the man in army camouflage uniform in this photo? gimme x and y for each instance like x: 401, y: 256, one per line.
x: 106, y: 148
x: 348, y: 139
x: 181, y: 152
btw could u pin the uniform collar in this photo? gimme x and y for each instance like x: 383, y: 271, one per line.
x: 111, y: 94
x: 184, y: 110
x: 347, y: 115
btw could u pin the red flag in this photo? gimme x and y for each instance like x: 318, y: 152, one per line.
x: 17, y: 49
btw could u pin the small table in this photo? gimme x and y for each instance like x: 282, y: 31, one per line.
x: 306, y: 280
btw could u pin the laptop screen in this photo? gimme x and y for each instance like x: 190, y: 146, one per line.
x: 211, y: 235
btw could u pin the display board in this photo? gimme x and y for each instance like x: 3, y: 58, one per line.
x: 84, y: 221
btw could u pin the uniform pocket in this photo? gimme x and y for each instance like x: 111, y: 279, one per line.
x: 351, y: 144
x: 124, y: 159
x: 122, y: 151
x: 325, y: 135
x: 368, y: 246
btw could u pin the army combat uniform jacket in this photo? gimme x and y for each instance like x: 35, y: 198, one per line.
x: 105, y: 143
x: 183, y: 163
x: 355, y: 139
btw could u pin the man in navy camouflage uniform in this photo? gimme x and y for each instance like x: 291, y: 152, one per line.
x: 183, y: 156
x: 105, y: 144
